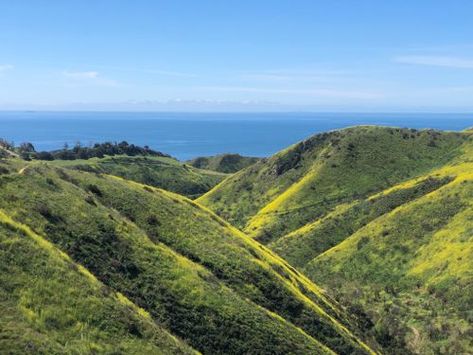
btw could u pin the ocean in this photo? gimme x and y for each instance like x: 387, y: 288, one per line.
x: 188, y: 135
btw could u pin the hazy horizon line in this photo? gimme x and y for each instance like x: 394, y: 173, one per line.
x: 466, y: 112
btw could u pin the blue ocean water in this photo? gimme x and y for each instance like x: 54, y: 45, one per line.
x: 188, y: 135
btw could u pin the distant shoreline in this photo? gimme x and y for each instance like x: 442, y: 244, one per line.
x: 190, y: 135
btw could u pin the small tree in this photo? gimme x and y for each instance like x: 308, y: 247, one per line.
x: 26, y: 147
x: 25, y: 150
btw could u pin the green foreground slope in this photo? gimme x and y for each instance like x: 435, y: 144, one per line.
x: 194, y: 274
x: 163, y: 172
x: 51, y: 305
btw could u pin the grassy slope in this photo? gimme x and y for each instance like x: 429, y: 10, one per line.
x: 410, y: 269
x: 224, y: 163
x: 199, y: 277
x: 308, y: 180
x: 305, y: 243
x: 163, y: 172
x: 383, y: 217
x: 50, y: 305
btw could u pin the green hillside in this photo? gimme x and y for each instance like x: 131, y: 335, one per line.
x: 224, y: 163
x: 310, y: 179
x: 163, y: 172
x: 411, y: 269
x: 382, y: 218
x: 304, y: 244
x: 368, y: 235
x: 51, y: 305
x: 192, y: 273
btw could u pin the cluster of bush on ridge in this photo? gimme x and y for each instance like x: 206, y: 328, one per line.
x: 98, y: 150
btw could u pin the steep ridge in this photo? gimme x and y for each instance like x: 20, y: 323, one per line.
x: 163, y: 172
x: 410, y: 269
x: 304, y: 244
x: 384, y: 221
x: 196, y: 275
x: 50, y: 305
x: 307, y: 181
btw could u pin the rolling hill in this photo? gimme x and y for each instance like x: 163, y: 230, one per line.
x: 50, y: 305
x: 224, y: 163
x: 306, y: 181
x: 159, y: 171
x: 354, y: 241
x: 174, y: 269
x: 380, y: 217
x: 411, y: 268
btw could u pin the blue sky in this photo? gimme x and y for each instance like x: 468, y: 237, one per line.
x: 336, y: 55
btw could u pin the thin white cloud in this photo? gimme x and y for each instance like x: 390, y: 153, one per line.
x: 5, y: 67
x: 167, y: 73
x: 159, y: 72
x: 322, y: 93
x: 438, y: 61
x: 295, y: 75
x: 81, y: 75
x: 88, y: 77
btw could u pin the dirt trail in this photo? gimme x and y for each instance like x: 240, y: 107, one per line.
x: 22, y: 170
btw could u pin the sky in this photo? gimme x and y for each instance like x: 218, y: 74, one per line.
x: 237, y: 55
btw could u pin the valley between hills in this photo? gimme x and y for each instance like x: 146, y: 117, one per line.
x: 354, y: 241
